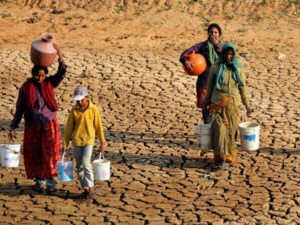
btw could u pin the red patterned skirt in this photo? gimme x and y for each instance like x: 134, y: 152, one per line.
x: 201, y: 94
x: 41, y: 150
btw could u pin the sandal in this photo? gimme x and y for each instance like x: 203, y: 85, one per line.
x: 83, y: 195
x: 50, y: 185
x: 37, y: 187
x: 50, y: 189
x: 91, y: 194
x: 224, y: 165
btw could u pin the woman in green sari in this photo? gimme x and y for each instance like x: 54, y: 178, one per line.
x: 225, y: 94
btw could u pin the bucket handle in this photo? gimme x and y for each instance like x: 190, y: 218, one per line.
x: 63, y: 157
x: 15, y: 152
x: 101, y: 156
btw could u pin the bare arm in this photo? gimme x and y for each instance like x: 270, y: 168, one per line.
x: 61, y: 71
x: 68, y: 130
x: 99, y: 129
x: 195, y: 48
x: 243, y: 94
x: 20, y: 108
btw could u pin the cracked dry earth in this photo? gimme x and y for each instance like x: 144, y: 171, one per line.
x: 148, y: 110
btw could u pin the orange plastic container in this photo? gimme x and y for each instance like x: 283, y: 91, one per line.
x: 198, y: 63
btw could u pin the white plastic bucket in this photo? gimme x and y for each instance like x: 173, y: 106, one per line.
x: 249, y: 135
x: 10, y: 156
x: 203, y: 135
x: 64, y: 170
x: 102, y: 168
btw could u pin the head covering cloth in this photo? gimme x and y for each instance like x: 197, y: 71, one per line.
x: 234, y: 65
x: 212, y: 54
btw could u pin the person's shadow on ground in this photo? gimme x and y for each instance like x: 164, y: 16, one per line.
x: 15, y: 189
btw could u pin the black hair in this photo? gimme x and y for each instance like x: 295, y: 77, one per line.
x: 36, y: 69
x: 214, y: 25
x: 227, y: 49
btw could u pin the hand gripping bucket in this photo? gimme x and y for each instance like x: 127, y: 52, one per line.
x: 249, y: 135
x: 203, y: 135
x: 102, y: 168
x: 64, y: 170
x: 10, y: 156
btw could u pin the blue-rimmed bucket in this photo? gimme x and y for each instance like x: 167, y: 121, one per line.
x: 249, y: 136
x: 65, y: 170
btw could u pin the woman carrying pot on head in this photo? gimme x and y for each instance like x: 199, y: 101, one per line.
x: 37, y: 102
x: 225, y: 94
x: 210, y: 49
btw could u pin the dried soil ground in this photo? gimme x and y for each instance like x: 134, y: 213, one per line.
x: 148, y: 110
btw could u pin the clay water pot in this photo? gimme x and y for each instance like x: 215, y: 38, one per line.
x: 198, y: 61
x: 42, y: 52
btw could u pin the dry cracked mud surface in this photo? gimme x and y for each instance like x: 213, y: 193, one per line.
x: 126, y: 53
x: 157, y: 171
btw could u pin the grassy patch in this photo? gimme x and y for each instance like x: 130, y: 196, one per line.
x: 228, y: 15
x: 4, y: 15
x: 244, y: 29
x: 192, y: 2
x: 205, y: 20
x: 297, y: 2
x: 139, y: 12
x: 265, y: 2
x: 119, y: 9
x: 254, y: 18
x: 161, y: 10
x: 20, y: 42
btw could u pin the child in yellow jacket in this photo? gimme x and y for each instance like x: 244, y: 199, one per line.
x: 83, y: 122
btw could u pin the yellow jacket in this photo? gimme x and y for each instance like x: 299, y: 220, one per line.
x: 83, y: 126
x: 230, y: 87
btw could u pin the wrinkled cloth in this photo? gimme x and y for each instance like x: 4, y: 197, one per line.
x: 202, y: 49
x: 37, y: 102
x: 225, y: 118
x: 201, y: 94
x: 82, y: 125
x: 229, y: 88
x: 84, y: 167
x: 41, y: 150
x: 212, y: 54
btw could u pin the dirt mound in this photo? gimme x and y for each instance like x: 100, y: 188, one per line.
x: 155, y: 25
x: 229, y: 8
